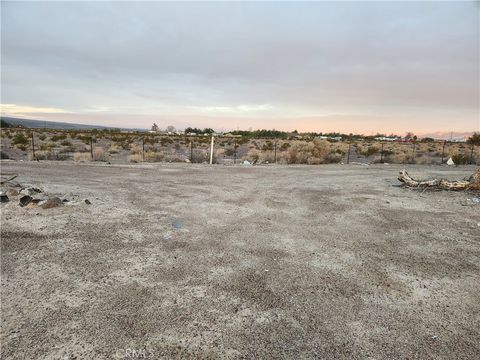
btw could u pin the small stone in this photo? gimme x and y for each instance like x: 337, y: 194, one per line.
x: 25, y: 200
x: 52, y: 202
x: 12, y: 192
x: 88, y: 202
x: 4, y: 198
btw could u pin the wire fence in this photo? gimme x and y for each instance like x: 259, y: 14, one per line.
x: 25, y: 144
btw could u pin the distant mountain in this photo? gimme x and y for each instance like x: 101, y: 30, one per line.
x: 442, y: 135
x: 42, y: 124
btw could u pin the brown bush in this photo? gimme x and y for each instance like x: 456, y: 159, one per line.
x: 314, y: 152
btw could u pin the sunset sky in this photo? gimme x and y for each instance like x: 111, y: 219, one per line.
x: 362, y: 67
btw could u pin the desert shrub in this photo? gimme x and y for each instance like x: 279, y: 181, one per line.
x: 85, y: 139
x: 229, y: 152
x: 153, y: 156
x: 314, y: 152
x: 42, y: 137
x: 370, y: 150
x: 267, y: 146
x: 134, y: 158
x: 4, y: 155
x: 20, y: 140
x: 334, y: 157
x: 424, y: 159
x: 100, y: 155
x: 66, y: 143
x: 461, y: 159
x: 58, y: 137
x: 399, y: 158
x: 136, y: 149
x: 284, y: 146
x: 81, y: 156
x: 114, y: 149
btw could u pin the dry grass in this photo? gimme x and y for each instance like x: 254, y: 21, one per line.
x: 135, y: 158
x: 81, y: 157
x: 100, y: 155
x: 314, y: 152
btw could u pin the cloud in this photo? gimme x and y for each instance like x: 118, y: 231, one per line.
x: 398, y: 60
x: 16, y: 110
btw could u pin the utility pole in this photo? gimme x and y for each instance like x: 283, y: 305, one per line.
x: 211, y: 152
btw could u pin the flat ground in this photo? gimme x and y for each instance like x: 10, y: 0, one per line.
x: 194, y: 261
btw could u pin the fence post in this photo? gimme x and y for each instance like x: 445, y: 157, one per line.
x: 443, y: 150
x: 211, y: 152
x: 348, y: 153
x: 381, y: 154
x: 143, y: 149
x: 414, y: 148
x: 471, y: 154
x: 91, y: 146
x: 33, y: 147
x: 276, y: 141
x: 234, y: 152
x: 191, y: 151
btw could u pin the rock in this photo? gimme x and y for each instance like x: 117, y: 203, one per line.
x: 12, y: 192
x: 187, y: 161
x: 246, y: 163
x: 450, y: 162
x: 30, y: 191
x: 88, y: 202
x: 52, y: 202
x: 25, y: 200
x: 4, y: 198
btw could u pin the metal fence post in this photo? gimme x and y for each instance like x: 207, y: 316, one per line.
x: 348, y: 153
x: 471, y: 154
x: 191, y: 151
x: 91, y: 146
x: 143, y: 149
x: 443, y: 150
x: 234, y: 152
x: 33, y: 147
x: 276, y: 151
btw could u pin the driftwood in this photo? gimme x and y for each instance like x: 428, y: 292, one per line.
x: 472, y: 183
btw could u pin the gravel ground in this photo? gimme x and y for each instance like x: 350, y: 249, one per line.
x: 194, y: 261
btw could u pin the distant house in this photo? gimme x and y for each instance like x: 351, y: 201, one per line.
x: 386, y: 138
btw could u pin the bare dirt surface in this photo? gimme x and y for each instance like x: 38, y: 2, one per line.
x: 193, y: 261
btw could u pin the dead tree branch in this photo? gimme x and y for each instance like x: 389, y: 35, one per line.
x: 472, y: 183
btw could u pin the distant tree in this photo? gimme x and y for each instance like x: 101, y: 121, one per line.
x: 474, y: 139
x: 170, y: 128
x: 409, y: 136
x: 155, y: 127
x: 208, y: 131
x: 427, y: 139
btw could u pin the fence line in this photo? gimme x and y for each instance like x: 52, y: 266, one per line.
x: 121, y: 147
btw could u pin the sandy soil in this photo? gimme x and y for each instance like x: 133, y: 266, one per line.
x: 192, y: 261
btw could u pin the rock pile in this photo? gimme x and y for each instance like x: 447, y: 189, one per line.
x: 29, y: 196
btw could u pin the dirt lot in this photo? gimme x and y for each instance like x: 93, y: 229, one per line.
x: 194, y: 261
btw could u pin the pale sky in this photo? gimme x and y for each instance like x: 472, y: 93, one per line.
x: 361, y: 67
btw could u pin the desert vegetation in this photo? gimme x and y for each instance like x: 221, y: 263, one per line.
x: 258, y: 147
